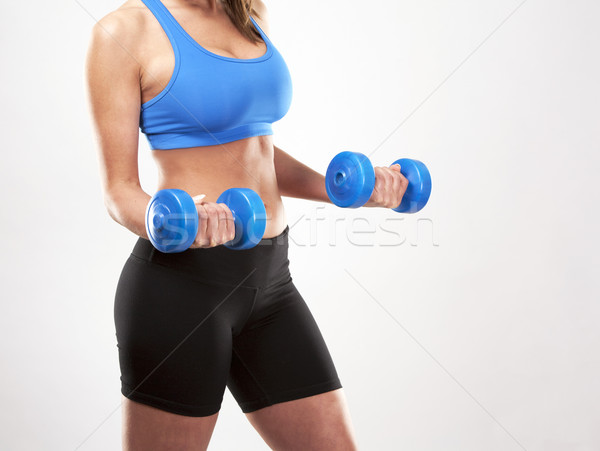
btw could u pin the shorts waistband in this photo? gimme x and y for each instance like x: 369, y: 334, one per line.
x: 264, y: 265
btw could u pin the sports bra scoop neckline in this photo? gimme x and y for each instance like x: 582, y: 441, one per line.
x: 264, y: 56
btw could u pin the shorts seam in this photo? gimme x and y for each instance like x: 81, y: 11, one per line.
x: 187, y: 273
x: 245, y: 322
x: 279, y: 284
x: 290, y: 395
x: 257, y: 323
x: 169, y: 406
x: 249, y: 372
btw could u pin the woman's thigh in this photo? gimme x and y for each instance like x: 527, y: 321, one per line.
x: 280, y: 354
x: 174, y: 336
x: 319, y: 422
x: 146, y: 428
x: 284, y: 378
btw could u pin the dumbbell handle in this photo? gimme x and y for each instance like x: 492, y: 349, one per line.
x: 199, y: 197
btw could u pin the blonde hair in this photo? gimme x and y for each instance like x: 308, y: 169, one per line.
x: 239, y: 11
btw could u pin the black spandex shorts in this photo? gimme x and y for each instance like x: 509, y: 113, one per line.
x: 190, y: 323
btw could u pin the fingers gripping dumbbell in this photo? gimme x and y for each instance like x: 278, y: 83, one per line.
x: 172, y: 219
x: 350, y: 180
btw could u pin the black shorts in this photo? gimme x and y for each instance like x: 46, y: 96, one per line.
x: 190, y: 323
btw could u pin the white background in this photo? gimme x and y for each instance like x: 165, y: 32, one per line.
x: 475, y: 328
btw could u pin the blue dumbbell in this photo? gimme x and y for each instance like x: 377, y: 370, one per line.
x: 350, y: 180
x: 172, y: 219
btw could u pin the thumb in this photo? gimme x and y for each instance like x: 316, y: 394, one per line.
x: 396, y: 167
x: 198, y: 199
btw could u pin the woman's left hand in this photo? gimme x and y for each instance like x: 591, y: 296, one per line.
x: 390, y: 186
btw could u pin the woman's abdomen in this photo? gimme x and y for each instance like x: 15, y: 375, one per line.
x: 210, y: 170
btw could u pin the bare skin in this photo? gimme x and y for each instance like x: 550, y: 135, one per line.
x: 148, y: 428
x: 130, y: 60
x: 316, y: 423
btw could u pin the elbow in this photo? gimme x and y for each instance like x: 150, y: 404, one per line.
x: 117, y: 196
x: 124, y: 201
x: 111, y: 204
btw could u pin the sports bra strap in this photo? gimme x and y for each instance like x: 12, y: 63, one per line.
x: 164, y: 19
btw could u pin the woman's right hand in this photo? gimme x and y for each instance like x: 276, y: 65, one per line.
x: 215, y: 223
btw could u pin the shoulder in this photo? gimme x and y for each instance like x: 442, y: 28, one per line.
x: 262, y: 15
x: 115, y: 45
x: 121, y: 27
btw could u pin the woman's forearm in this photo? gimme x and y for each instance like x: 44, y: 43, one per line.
x: 127, y: 204
x: 295, y: 179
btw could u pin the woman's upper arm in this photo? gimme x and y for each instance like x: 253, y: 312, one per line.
x: 113, y: 87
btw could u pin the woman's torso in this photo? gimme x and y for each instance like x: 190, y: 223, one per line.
x: 209, y: 169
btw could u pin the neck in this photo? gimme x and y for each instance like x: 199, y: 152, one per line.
x: 206, y: 5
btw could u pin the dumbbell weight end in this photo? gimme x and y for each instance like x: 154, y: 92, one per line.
x: 249, y: 215
x: 419, y: 185
x: 350, y: 179
x: 171, y: 220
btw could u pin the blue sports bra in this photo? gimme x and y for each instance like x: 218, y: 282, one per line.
x: 213, y: 99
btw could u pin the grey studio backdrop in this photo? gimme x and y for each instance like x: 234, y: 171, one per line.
x: 472, y: 325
